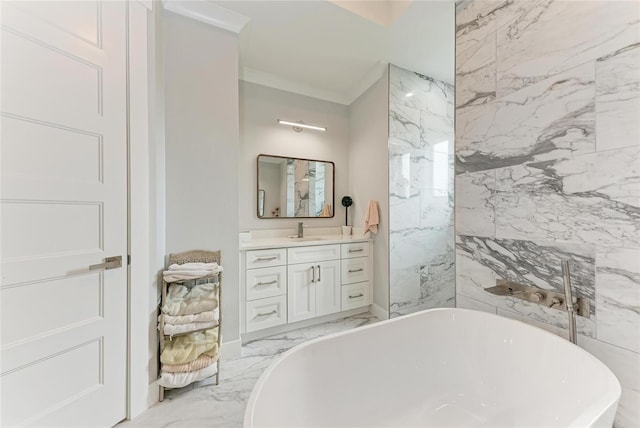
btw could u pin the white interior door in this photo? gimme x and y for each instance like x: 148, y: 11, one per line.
x: 63, y: 208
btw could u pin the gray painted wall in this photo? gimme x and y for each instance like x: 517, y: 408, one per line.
x: 368, y: 175
x: 260, y: 107
x: 202, y: 145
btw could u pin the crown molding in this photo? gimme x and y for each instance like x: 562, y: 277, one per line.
x: 259, y: 77
x: 252, y: 75
x: 207, y: 12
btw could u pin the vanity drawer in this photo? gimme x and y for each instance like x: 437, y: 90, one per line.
x: 266, y: 258
x: 313, y: 253
x: 355, y: 295
x: 266, y: 282
x: 355, y: 270
x: 265, y: 313
x: 357, y: 249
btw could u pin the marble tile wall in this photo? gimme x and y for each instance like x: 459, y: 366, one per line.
x: 421, y: 159
x: 548, y: 166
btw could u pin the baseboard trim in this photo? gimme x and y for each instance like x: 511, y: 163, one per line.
x: 379, y: 312
x: 256, y: 335
x: 230, y: 350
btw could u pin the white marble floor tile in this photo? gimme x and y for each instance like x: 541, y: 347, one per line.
x: 205, y: 404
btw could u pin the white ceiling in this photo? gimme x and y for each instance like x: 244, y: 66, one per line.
x: 319, y: 49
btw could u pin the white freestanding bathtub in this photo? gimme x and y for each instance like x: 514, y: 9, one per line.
x: 437, y: 368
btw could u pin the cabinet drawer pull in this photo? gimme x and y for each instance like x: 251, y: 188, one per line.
x: 355, y: 270
x: 258, y: 284
x: 358, y: 250
x: 318, y: 273
x: 356, y: 296
x: 265, y: 259
x: 261, y: 314
x: 313, y: 274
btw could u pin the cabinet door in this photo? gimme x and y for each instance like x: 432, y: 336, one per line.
x: 301, y: 294
x: 327, y: 287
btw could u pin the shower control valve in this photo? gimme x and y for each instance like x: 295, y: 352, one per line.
x: 556, y: 301
x: 537, y: 297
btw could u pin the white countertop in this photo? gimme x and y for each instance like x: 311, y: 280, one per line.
x: 280, y: 242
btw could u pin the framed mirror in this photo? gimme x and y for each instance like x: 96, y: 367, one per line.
x: 295, y: 188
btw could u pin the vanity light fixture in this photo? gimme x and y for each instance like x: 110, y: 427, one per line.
x: 297, y: 126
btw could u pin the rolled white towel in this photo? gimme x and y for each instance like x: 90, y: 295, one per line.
x: 191, y: 273
x: 186, y: 319
x: 178, y: 380
x: 174, y: 329
x: 182, y: 300
x: 196, y: 266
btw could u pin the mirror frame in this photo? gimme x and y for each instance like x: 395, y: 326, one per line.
x: 333, y: 190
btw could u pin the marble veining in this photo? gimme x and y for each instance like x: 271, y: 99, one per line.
x: 618, y: 279
x: 475, y: 61
x: 533, y: 47
x: 475, y: 210
x: 618, y: 98
x: 205, y: 404
x: 548, y: 166
x: 421, y: 177
x: 404, y: 124
x: 552, y: 119
x: 481, y: 261
x: 599, y: 196
x: 530, y: 263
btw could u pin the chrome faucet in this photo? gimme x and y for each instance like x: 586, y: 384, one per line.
x: 300, y: 229
x: 566, y: 277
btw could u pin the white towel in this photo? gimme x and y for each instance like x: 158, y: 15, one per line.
x: 189, y: 271
x: 196, y: 266
x: 173, y: 329
x: 178, y: 380
x: 182, y: 300
x: 203, y: 361
x: 371, y: 219
x: 187, y: 319
x: 187, y: 348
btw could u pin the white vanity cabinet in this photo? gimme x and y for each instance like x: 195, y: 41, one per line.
x: 313, y: 282
x: 265, y: 289
x: 356, y: 274
x: 288, y: 287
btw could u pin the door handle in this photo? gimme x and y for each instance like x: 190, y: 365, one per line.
x: 313, y: 274
x: 109, y: 263
x: 318, y: 273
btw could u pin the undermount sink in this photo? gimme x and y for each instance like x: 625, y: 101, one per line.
x: 307, y: 238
